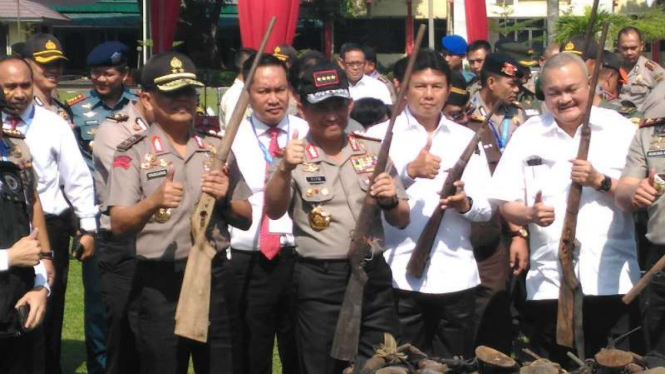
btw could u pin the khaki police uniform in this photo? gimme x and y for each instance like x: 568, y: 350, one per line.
x: 513, y: 116
x: 391, y: 88
x: 614, y: 103
x: 474, y: 86
x: 642, y: 78
x: 138, y: 170
x: 326, y: 199
x: 56, y: 107
x: 647, y: 151
x: 116, y: 254
x: 654, y: 104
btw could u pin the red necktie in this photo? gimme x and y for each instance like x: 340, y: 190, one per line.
x: 13, y: 121
x: 269, y: 242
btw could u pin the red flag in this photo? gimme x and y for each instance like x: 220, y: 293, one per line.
x: 476, y: 20
x: 163, y: 22
x: 254, y: 16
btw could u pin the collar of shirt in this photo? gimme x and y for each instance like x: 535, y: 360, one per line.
x: 314, y: 153
x: 261, y: 128
x: 412, y: 122
x: 26, y: 118
x: 124, y: 98
x: 550, y: 126
x: 361, y: 82
x: 156, y: 134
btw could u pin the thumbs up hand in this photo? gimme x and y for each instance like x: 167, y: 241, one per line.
x: 169, y: 195
x: 426, y: 165
x: 647, y: 191
x: 294, y: 153
x: 541, y: 214
x: 25, y: 252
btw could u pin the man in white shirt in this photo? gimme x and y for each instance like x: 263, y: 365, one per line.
x: 262, y: 257
x: 532, y: 182
x: 436, y: 312
x: 352, y: 60
x: 231, y: 96
x: 58, y: 162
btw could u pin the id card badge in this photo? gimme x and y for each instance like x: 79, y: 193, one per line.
x: 284, y: 225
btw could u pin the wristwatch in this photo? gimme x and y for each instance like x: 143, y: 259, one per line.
x: 392, y: 204
x: 605, y: 185
x: 521, y: 232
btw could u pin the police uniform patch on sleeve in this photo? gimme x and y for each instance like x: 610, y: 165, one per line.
x: 76, y: 99
x: 122, y: 161
x: 127, y: 144
x: 13, y: 133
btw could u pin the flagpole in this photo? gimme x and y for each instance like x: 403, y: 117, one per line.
x: 430, y: 22
x: 145, y: 31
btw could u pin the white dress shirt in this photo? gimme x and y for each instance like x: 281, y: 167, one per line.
x: 40, y: 270
x: 252, y: 164
x: 538, y: 159
x: 228, y: 103
x: 370, y: 87
x: 452, y: 266
x: 58, y: 162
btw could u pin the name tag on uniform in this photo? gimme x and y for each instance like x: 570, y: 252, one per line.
x: 316, y: 180
x: 157, y: 174
x: 658, y: 153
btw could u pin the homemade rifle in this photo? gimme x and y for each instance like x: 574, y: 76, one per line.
x: 347, y: 332
x: 569, y: 315
x: 192, y: 313
x: 421, y: 253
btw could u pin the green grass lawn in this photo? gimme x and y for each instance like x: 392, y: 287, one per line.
x: 73, y: 345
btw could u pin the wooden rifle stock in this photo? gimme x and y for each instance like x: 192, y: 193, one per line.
x: 192, y: 312
x: 423, y: 249
x: 347, y: 331
x: 643, y: 282
x: 570, y: 313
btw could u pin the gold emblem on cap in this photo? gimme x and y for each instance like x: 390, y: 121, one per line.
x: 319, y: 219
x: 50, y: 45
x: 569, y: 46
x: 176, y: 64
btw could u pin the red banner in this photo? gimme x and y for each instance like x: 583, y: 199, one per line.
x: 254, y: 16
x: 163, y: 21
x: 476, y: 20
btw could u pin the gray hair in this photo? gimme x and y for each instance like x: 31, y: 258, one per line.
x: 560, y: 60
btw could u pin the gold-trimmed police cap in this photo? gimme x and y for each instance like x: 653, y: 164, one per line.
x: 169, y: 71
x: 322, y: 82
x: 43, y: 48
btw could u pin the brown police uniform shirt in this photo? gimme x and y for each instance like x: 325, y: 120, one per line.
x: 647, y: 151
x: 516, y: 117
x: 19, y: 154
x: 113, y: 131
x: 642, y: 78
x: 138, y: 170
x: 335, y: 189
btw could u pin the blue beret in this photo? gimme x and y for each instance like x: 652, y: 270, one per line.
x: 454, y: 44
x: 111, y: 53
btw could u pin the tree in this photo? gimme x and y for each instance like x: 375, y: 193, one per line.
x: 552, y: 18
x: 198, y: 25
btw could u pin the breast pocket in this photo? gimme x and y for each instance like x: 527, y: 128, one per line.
x: 153, y: 179
x: 89, y: 129
x: 638, y: 89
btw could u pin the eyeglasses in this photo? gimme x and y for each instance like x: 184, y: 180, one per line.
x: 459, y: 115
x: 354, y: 64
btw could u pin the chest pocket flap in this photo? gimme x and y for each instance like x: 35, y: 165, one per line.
x: 314, y: 187
x: 89, y: 129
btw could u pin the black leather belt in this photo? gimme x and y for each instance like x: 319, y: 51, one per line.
x: 286, y: 252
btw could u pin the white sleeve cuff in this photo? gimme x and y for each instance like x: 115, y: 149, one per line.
x: 89, y: 224
x: 4, y: 259
x: 407, y: 181
x: 41, y: 278
x: 481, y: 211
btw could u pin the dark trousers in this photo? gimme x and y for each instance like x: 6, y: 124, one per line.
x: 60, y: 229
x: 117, y: 265
x: 319, y: 287
x: 439, y: 324
x: 604, y: 317
x: 23, y: 354
x: 94, y: 316
x: 155, y: 295
x: 263, y: 295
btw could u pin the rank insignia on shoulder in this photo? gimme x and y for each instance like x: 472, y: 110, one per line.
x: 38, y: 101
x: 118, y: 117
x: 76, y: 99
x: 476, y: 117
x: 365, y: 137
x: 13, y: 133
x: 127, y: 144
x: 648, y: 122
x: 651, y: 65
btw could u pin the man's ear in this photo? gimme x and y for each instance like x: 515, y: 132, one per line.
x: 146, y: 100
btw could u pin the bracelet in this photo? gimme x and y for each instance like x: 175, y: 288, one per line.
x: 392, y: 205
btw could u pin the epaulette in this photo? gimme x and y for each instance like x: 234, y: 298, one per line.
x: 365, y: 137
x: 383, y: 79
x: 476, y: 117
x: 516, y: 104
x: 649, y: 122
x: 118, y: 117
x: 127, y: 144
x: 651, y: 65
x: 76, y: 99
x: 13, y: 133
x: 210, y: 132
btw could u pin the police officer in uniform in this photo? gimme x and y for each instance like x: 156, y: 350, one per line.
x: 609, y: 82
x: 643, y: 74
x: 117, y: 261
x: 23, y: 276
x: 372, y: 69
x: 44, y: 54
x: 321, y: 181
x: 156, y: 179
x: 500, y: 80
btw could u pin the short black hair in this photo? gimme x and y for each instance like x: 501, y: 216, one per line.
x: 431, y: 59
x: 479, y: 44
x: 242, y: 55
x: 629, y: 29
x: 484, y: 76
x: 348, y: 47
x: 369, y: 111
x: 400, y: 68
x: 17, y: 58
x: 370, y: 55
x: 264, y: 60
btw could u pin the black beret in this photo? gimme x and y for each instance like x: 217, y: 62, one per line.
x: 611, y: 60
x: 502, y: 64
